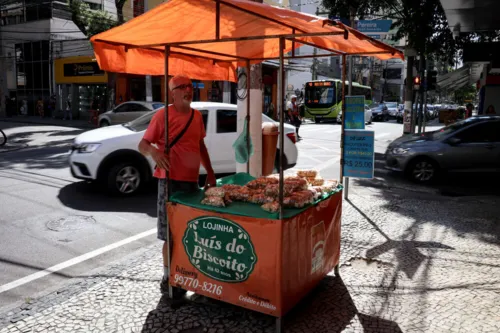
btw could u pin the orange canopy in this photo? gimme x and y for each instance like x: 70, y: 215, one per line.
x: 209, y: 39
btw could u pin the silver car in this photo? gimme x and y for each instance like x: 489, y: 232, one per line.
x: 127, y: 111
x: 470, y: 145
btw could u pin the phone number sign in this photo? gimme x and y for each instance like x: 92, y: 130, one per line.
x: 359, y: 157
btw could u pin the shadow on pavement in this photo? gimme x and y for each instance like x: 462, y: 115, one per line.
x: 328, y: 308
x: 39, y: 158
x: 406, y: 251
x: 449, y: 184
x: 87, y: 197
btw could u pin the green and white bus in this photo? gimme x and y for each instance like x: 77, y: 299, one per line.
x: 323, y: 98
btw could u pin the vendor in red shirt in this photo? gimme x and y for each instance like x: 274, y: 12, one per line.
x: 185, y: 155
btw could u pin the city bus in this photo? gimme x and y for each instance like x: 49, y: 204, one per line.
x: 323, y: 98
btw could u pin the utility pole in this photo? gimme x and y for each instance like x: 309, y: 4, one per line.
x: 314, y: 68
x: 408, y: 115
x: 421, y: 93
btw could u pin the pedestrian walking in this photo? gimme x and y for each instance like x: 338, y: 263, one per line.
x: 67, y: 110
x: 468, y: 110
x: 39, y: 107
x: 293, y: 114
x: 490, y: 110
x: 187, y: 150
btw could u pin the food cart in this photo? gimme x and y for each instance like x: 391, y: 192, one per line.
x: 240, y: 254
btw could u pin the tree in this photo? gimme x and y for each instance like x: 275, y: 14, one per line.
x: 356, y: 8
x: 90, y: 22
x: 466, y: 93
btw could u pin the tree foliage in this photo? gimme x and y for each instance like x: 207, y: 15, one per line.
x: 466, y: 93
x: 357, y: 8
x: 423, y: 23
x: 90, y: 22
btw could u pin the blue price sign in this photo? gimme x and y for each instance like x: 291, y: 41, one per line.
x: 355, y: 112
x: 359, y: 157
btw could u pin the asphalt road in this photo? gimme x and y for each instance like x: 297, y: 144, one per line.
x: 54, y: 227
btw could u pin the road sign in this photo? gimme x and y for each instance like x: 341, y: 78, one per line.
x: 355, y: 112
x: 359, y: 157
x: 374, y: 26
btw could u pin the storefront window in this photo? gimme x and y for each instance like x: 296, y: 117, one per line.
x: 33, y: 79
x: 92, y: 97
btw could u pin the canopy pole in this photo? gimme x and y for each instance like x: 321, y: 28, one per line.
x: 344, y: 61
x: 281, y: 110
x: 293, y: 44
x: 351, y: 65
x: 167, y: 180
x: 247, y: 119
x: 217, y: 19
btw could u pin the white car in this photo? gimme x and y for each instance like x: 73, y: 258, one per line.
x: 393, y: 109
x: 126, y: 112
x: 368, y: 116
x: 110, y: 155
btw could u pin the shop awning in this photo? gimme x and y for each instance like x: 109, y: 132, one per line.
x: 468, y: 74
x: 209, y: 39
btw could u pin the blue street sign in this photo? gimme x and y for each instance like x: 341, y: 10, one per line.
x: 359, y: 157
x: 355, y: 112
x: 374, y: 26
x: 201, y: 85
x: 344, y: 20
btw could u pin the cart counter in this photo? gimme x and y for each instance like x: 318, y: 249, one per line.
x: 245, y: 256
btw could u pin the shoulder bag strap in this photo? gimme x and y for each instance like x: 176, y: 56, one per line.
x: 181, y: 134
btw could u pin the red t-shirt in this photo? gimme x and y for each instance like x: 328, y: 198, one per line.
x: 185, y: 157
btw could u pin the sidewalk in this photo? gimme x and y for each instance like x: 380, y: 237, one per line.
x: 409, y: 263
x: 48, y: 121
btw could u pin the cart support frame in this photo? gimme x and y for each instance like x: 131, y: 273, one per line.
x: 167, y: 180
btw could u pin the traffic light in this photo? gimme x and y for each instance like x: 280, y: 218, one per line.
x: 431, y: 80
x: 416, y: 83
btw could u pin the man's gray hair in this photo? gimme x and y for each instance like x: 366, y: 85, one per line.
x: 171, y: 84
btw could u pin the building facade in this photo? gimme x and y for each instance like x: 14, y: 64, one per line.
x: 33, y: 36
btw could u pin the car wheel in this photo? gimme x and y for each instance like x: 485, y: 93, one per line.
x: 277, y: 162
x: 317, y: 120
x: 104, y: 123
x: 124, y: 179
x: 371, y: 120
x: 422, y: 170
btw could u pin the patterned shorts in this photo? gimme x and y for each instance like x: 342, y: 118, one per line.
x: 177, y: 186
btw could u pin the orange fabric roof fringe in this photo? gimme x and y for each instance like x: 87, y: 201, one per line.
x: 248, y: 31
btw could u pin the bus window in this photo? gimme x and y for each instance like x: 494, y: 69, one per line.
x: 319, y: 96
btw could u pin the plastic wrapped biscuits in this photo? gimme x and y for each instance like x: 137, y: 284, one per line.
x: 213, y: 201
x: 300, y: 190
x: 215, y: 192
x: 307, y: 173
x: 271, y: 207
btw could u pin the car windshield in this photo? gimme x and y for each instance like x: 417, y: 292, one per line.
x: 450, y: 129
x: 376, y: 106
x: 392, y: 105
x: 140, y: 124
x: 158, y: 105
